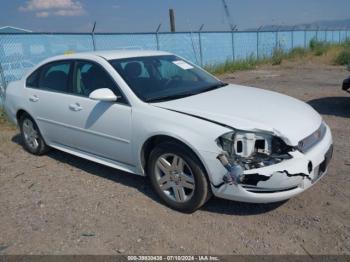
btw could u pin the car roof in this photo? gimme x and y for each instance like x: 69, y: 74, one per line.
x: 109, y: 55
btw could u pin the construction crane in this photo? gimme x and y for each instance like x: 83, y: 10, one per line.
x: 228, y: 15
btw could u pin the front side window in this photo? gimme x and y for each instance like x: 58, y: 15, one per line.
x: 89, y: 77
x: 55, y: 77
x: 162, y: 78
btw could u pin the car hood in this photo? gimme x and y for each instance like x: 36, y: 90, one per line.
x: 251, y: 109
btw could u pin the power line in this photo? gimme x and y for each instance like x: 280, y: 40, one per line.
x: 228, y: 15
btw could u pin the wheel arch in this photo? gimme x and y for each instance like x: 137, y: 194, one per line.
x: 20, y: 113
x: 155, y: 140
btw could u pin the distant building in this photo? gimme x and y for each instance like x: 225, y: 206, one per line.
x: 12, y: 29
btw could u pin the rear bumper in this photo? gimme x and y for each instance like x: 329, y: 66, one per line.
x: 284, y: 180
x: 10, y: 111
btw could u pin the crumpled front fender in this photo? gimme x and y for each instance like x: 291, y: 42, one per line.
x: 277, y: 182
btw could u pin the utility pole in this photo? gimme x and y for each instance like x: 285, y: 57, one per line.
x: 172, y: 20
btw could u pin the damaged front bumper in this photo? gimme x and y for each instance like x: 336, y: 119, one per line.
x: 277, y: 182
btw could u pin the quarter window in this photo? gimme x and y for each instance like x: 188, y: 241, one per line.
x: 32, y: 80
x: 55, y: 76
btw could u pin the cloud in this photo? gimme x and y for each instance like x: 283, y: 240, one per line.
x: 46, y: 8
x: 42, y: 14
x: 68, y: 13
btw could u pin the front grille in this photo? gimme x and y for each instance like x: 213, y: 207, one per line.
x: 258, y: 190
x: 308, y: 142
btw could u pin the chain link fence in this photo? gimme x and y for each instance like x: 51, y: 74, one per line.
x: 20, y: 51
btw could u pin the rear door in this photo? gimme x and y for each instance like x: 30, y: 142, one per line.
x: 58, y: 95
x: 48, y: 93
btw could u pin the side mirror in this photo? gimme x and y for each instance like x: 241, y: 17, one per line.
x: 103, y: 94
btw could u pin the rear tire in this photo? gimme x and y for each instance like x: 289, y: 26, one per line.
x: 32, y: 139
x: 178, y: 178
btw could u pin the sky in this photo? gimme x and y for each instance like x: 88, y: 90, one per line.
x: 146, y: 15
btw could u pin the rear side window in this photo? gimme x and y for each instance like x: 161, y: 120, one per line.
x: 55, y: 77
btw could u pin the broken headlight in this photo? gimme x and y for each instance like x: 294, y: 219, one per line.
x: 254, y: 150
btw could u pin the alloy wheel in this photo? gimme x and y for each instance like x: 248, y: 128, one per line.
x: 175, y: 178
x: 30, y: 133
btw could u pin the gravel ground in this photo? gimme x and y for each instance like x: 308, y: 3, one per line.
x: 61, y: 204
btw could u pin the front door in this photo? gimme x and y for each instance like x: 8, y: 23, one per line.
x: 100, y: 128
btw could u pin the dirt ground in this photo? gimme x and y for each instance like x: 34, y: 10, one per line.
x: 61, y: 204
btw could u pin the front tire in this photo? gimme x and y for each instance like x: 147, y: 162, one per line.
x: 178, y: 177
x: 32, y: 140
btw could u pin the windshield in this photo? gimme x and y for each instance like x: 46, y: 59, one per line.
x: 162, y: 78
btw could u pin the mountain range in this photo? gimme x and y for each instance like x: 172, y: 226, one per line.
x: 321, y: 25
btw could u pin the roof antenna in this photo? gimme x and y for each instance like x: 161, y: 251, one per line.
x: 93, y: 36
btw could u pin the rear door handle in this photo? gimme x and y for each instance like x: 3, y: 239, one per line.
x: 34, y: 98
x: 75, y: 107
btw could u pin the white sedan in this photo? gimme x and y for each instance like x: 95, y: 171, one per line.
x: 155, y: 114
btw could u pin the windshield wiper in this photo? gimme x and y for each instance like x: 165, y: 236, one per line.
x: 178, y: 96
x: 172, y: 97
x: 213, y: 87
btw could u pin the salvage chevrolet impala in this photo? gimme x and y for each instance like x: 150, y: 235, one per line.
x: 155, y: 114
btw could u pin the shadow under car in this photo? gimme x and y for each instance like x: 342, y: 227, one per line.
x: 215, y: 205
x: 333, y: 106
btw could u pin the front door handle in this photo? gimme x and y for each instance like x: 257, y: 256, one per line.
x: 34, y: 98
x: 75, y: 107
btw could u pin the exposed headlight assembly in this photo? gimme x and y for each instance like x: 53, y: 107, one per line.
x: 248, y: 150
x: 254, y: 150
